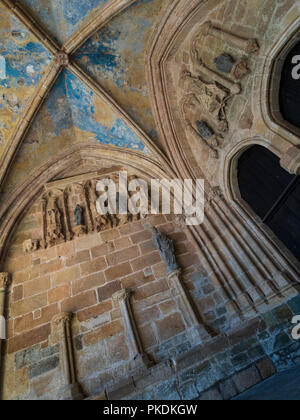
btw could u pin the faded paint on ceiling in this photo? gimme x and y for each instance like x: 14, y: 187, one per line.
x: 72, y: 114
x: 22, y: 63
x: 115, y: 56
x: 62, y: 18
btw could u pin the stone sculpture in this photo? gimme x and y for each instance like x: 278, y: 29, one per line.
x: 78, y: 214
x: 166, y: 249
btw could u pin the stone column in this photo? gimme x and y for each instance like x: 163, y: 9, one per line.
x: 136, y: 346
x: 4, y: 283
x: 196, y: 330
x: 61, y: 333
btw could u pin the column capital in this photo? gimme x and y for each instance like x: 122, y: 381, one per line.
x: 122, y: 295
x: 61, y: 318
x: 174, y: 273
x: 4, y: 280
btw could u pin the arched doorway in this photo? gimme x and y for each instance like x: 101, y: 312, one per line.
x: 272, y: 193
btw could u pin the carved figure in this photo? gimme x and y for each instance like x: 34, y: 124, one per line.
x: 166, y: 249
x: 54, y: 225
x: 210, y: 99
x: 78, y: 214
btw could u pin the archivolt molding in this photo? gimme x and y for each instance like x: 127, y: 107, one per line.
x: 162, y: 48
x: 63, y: 60
x: 24, y: 196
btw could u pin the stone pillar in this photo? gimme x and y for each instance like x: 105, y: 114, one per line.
x: 61, y: 333
x: 136, y: 346
x: 4, y: 283
x: 196, y: 330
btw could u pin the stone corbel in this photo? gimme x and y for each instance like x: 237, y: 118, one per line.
x: 250, y: 46
x: 136, y: 347
x: 30, y: 245
x: 61, y: 333
x: 290, y: 161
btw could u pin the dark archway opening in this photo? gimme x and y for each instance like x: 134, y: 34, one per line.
x: 289, y: 94
x: 272, y: 193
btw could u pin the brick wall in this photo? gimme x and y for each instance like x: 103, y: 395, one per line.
x: 81, y: 276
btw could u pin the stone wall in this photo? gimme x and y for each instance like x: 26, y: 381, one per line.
x: 81, y: 276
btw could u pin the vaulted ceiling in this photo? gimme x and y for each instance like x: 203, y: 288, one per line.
x: 73, y: 71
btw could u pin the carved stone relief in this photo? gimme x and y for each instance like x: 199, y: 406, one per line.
x: 71, y: 211
x: 203, y: 110
x: 206, y: 91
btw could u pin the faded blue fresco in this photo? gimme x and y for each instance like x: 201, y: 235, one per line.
x: 81, y: 101
x: 71, y: 104
x: 22, y: 63
x: 62, y: 17
x: 115, y: 57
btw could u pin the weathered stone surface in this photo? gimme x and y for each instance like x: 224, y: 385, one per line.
x: 266, y: 368
x: 246, y: 379
x: 43, y: 366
